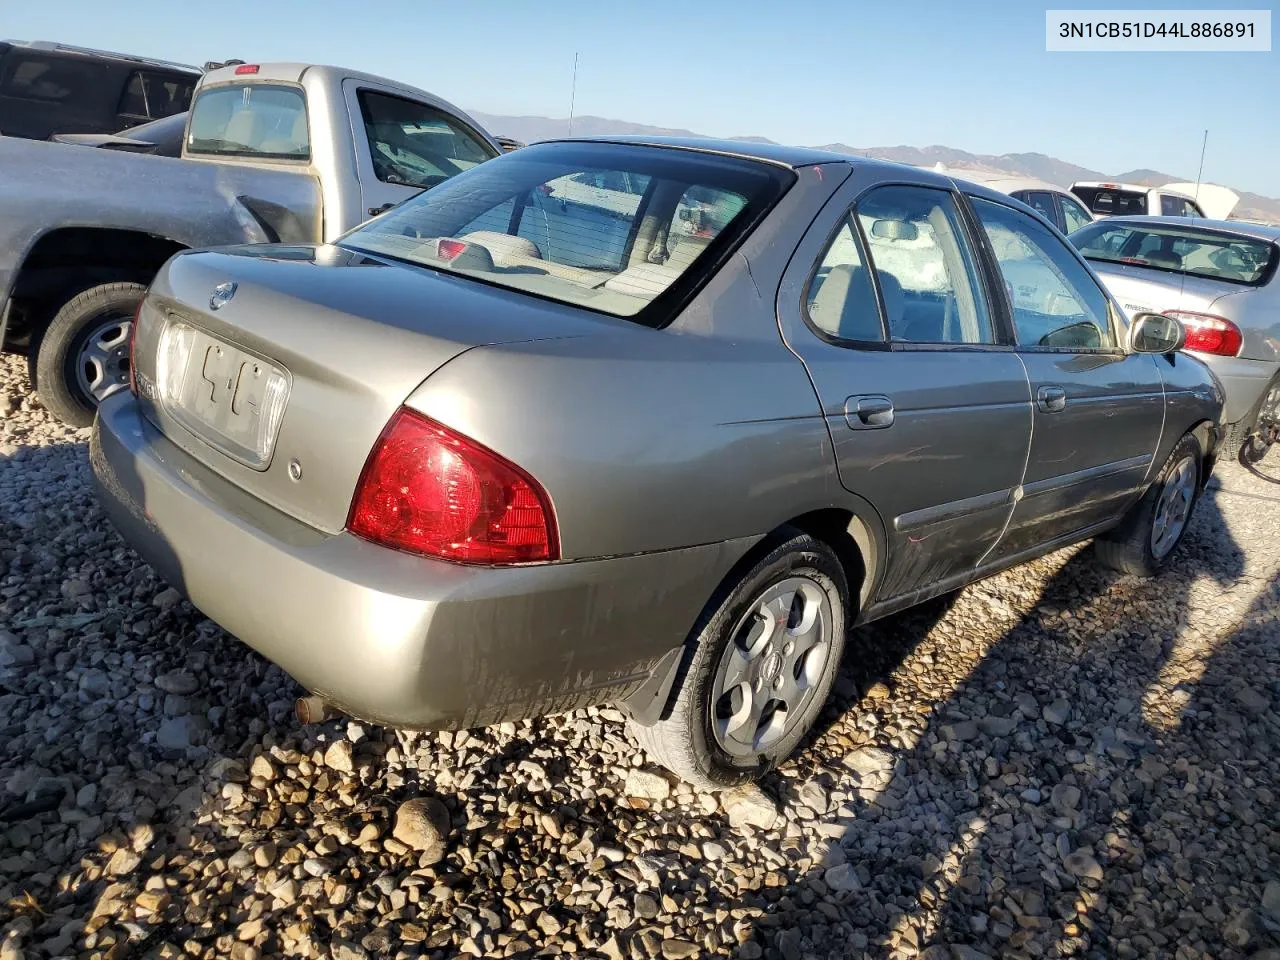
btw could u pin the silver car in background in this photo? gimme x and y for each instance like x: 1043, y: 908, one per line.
x: 511, y: 448
x: 1052, y: 202
x: 1219, y: 278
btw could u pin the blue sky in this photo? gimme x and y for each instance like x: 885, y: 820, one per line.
x: 970, y: 76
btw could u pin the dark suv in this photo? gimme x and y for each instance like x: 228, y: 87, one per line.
x: 49, y: 88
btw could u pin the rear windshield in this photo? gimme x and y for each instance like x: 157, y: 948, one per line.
x: 1198, y: 253
x: 250, y: 120
x: 1107, y: 202
x: 624, y: 230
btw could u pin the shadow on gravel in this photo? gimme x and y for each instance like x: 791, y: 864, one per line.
x: 1078, y: 775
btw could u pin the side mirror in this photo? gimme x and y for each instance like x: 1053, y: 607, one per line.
x: 1156, y: 333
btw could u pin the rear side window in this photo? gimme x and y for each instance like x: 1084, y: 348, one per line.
x: 51, y: 79
x: 618, y: 229
x: 841, y: 301
x: 1055, y: 302
x: 416, y: 144
x: 1041, y: 202
x: 251, y: 120
x: 153, y: 96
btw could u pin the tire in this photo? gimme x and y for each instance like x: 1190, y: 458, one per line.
x: 65, y: 346
x: 1132, y: 546
x: 1236, y: 434
x: 690, y: 740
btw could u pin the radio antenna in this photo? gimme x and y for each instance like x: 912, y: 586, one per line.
x: 573, y: 92
x: 1199, y: 173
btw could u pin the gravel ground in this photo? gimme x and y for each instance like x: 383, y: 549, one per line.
x: 1052, y: 763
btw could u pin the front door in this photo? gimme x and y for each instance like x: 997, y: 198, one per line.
x: 929, y: 414
x: 405, y: 146
x: 1098, y: 409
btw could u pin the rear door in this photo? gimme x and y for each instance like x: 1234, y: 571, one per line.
x: 43, y: 93
x: 1099, y: 411
x: 404, y: 146
x: 928, y: 408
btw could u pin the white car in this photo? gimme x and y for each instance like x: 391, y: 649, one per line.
x: 1052, y: 202
x: 1134, y: 199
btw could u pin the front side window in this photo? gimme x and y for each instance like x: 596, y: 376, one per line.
x: 1180, y: 249
x: 415, y: 144
x: 841, y: 301
x: 1055, y: 302
x: 1074, y: 215
x: 250, y: 120
x: 533, y: 220
x: 51, y: 79
x: 926, y: 272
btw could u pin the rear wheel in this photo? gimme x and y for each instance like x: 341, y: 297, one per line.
x: 763, y: 661
x: 1147, y: 536
x: 83, y: 356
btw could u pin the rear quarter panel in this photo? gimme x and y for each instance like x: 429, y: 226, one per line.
x: 1193, y: 396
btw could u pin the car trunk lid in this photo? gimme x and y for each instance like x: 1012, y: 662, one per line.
x: 1145, y: 290
x: 279, y: 367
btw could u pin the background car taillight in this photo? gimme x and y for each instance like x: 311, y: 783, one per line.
x: 1207, y: 333
x: 430, y: 491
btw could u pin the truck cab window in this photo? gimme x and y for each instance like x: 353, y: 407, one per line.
x: 415, y: 144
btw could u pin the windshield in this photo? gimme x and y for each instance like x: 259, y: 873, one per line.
x: 609, y: 227
x: 1198, y: 253
x: 250, y: 120
x: 1110, y: 202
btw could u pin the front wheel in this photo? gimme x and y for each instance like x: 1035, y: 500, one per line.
x: 764, y: 657
x: 1147, y: 536
x: 83, y: 356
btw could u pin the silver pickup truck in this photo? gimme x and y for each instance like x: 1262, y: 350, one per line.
x: 280, y: 152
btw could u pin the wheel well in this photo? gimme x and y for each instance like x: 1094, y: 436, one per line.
x: 1203, y: 432
x: 846, y: 534
x: 67, y: 261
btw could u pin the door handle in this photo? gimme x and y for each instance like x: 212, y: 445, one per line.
x: 1051, y: 399
x: 375, y: 211
x: 868, y: 413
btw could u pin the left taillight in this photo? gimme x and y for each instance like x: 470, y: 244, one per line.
x: 428, y: 490
x: 133, y: 342
x: 1208, y: 333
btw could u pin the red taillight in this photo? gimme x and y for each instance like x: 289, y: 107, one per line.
x: 1207, y: 333
x: 246, y: 68
x: 133, y: 342
x: 430, y: 491
x: 449, y: 249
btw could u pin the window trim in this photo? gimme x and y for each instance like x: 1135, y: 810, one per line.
x: 360, y: 92
x: 242, y: 154
x: 994, y: 266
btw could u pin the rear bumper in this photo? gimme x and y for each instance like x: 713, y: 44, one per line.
x: 1243, y: 382
x: 386, y: 636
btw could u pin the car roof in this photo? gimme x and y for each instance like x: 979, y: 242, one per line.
x: 48, y: 46
x: 1242, y: 228
x: 775, y: 153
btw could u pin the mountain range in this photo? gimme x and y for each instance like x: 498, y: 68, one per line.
x: 1252, y: 206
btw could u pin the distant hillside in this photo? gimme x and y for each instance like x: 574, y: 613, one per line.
x: 531, y: 129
